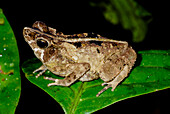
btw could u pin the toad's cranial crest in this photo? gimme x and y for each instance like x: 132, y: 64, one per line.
x: 83, y: 57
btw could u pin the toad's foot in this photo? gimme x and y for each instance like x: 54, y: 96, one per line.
x: 42, y: 69
x: 109, y: 84
x: 115, y: 81
x: 52, y: 79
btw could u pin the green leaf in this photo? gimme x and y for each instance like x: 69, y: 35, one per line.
x: 151, y: 75
x: 129, y: 14
x: 10, y: 83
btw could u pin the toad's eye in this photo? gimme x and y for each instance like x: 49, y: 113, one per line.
x: 42, y: 43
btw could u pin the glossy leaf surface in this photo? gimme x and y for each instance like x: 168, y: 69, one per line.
x: 151, y: 73
x: 10, y: 83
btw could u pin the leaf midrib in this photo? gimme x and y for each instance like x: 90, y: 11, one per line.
x: 76, y: 99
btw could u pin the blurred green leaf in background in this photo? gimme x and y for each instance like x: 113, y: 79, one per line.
x: 10, y: 82
x: 150, y: 75
x: 129, y: 14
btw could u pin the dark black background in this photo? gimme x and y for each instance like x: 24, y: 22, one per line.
x: 76, y: 17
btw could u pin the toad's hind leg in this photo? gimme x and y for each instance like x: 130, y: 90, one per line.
x: 79, y: 71
x: 115, y: 81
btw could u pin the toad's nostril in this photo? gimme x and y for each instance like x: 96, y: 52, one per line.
x: 28, y: 34
x: 26, y: 31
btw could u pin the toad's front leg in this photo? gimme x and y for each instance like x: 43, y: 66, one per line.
x: 79, y: 70
x: 43, y: 68
x: 113, y: 84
